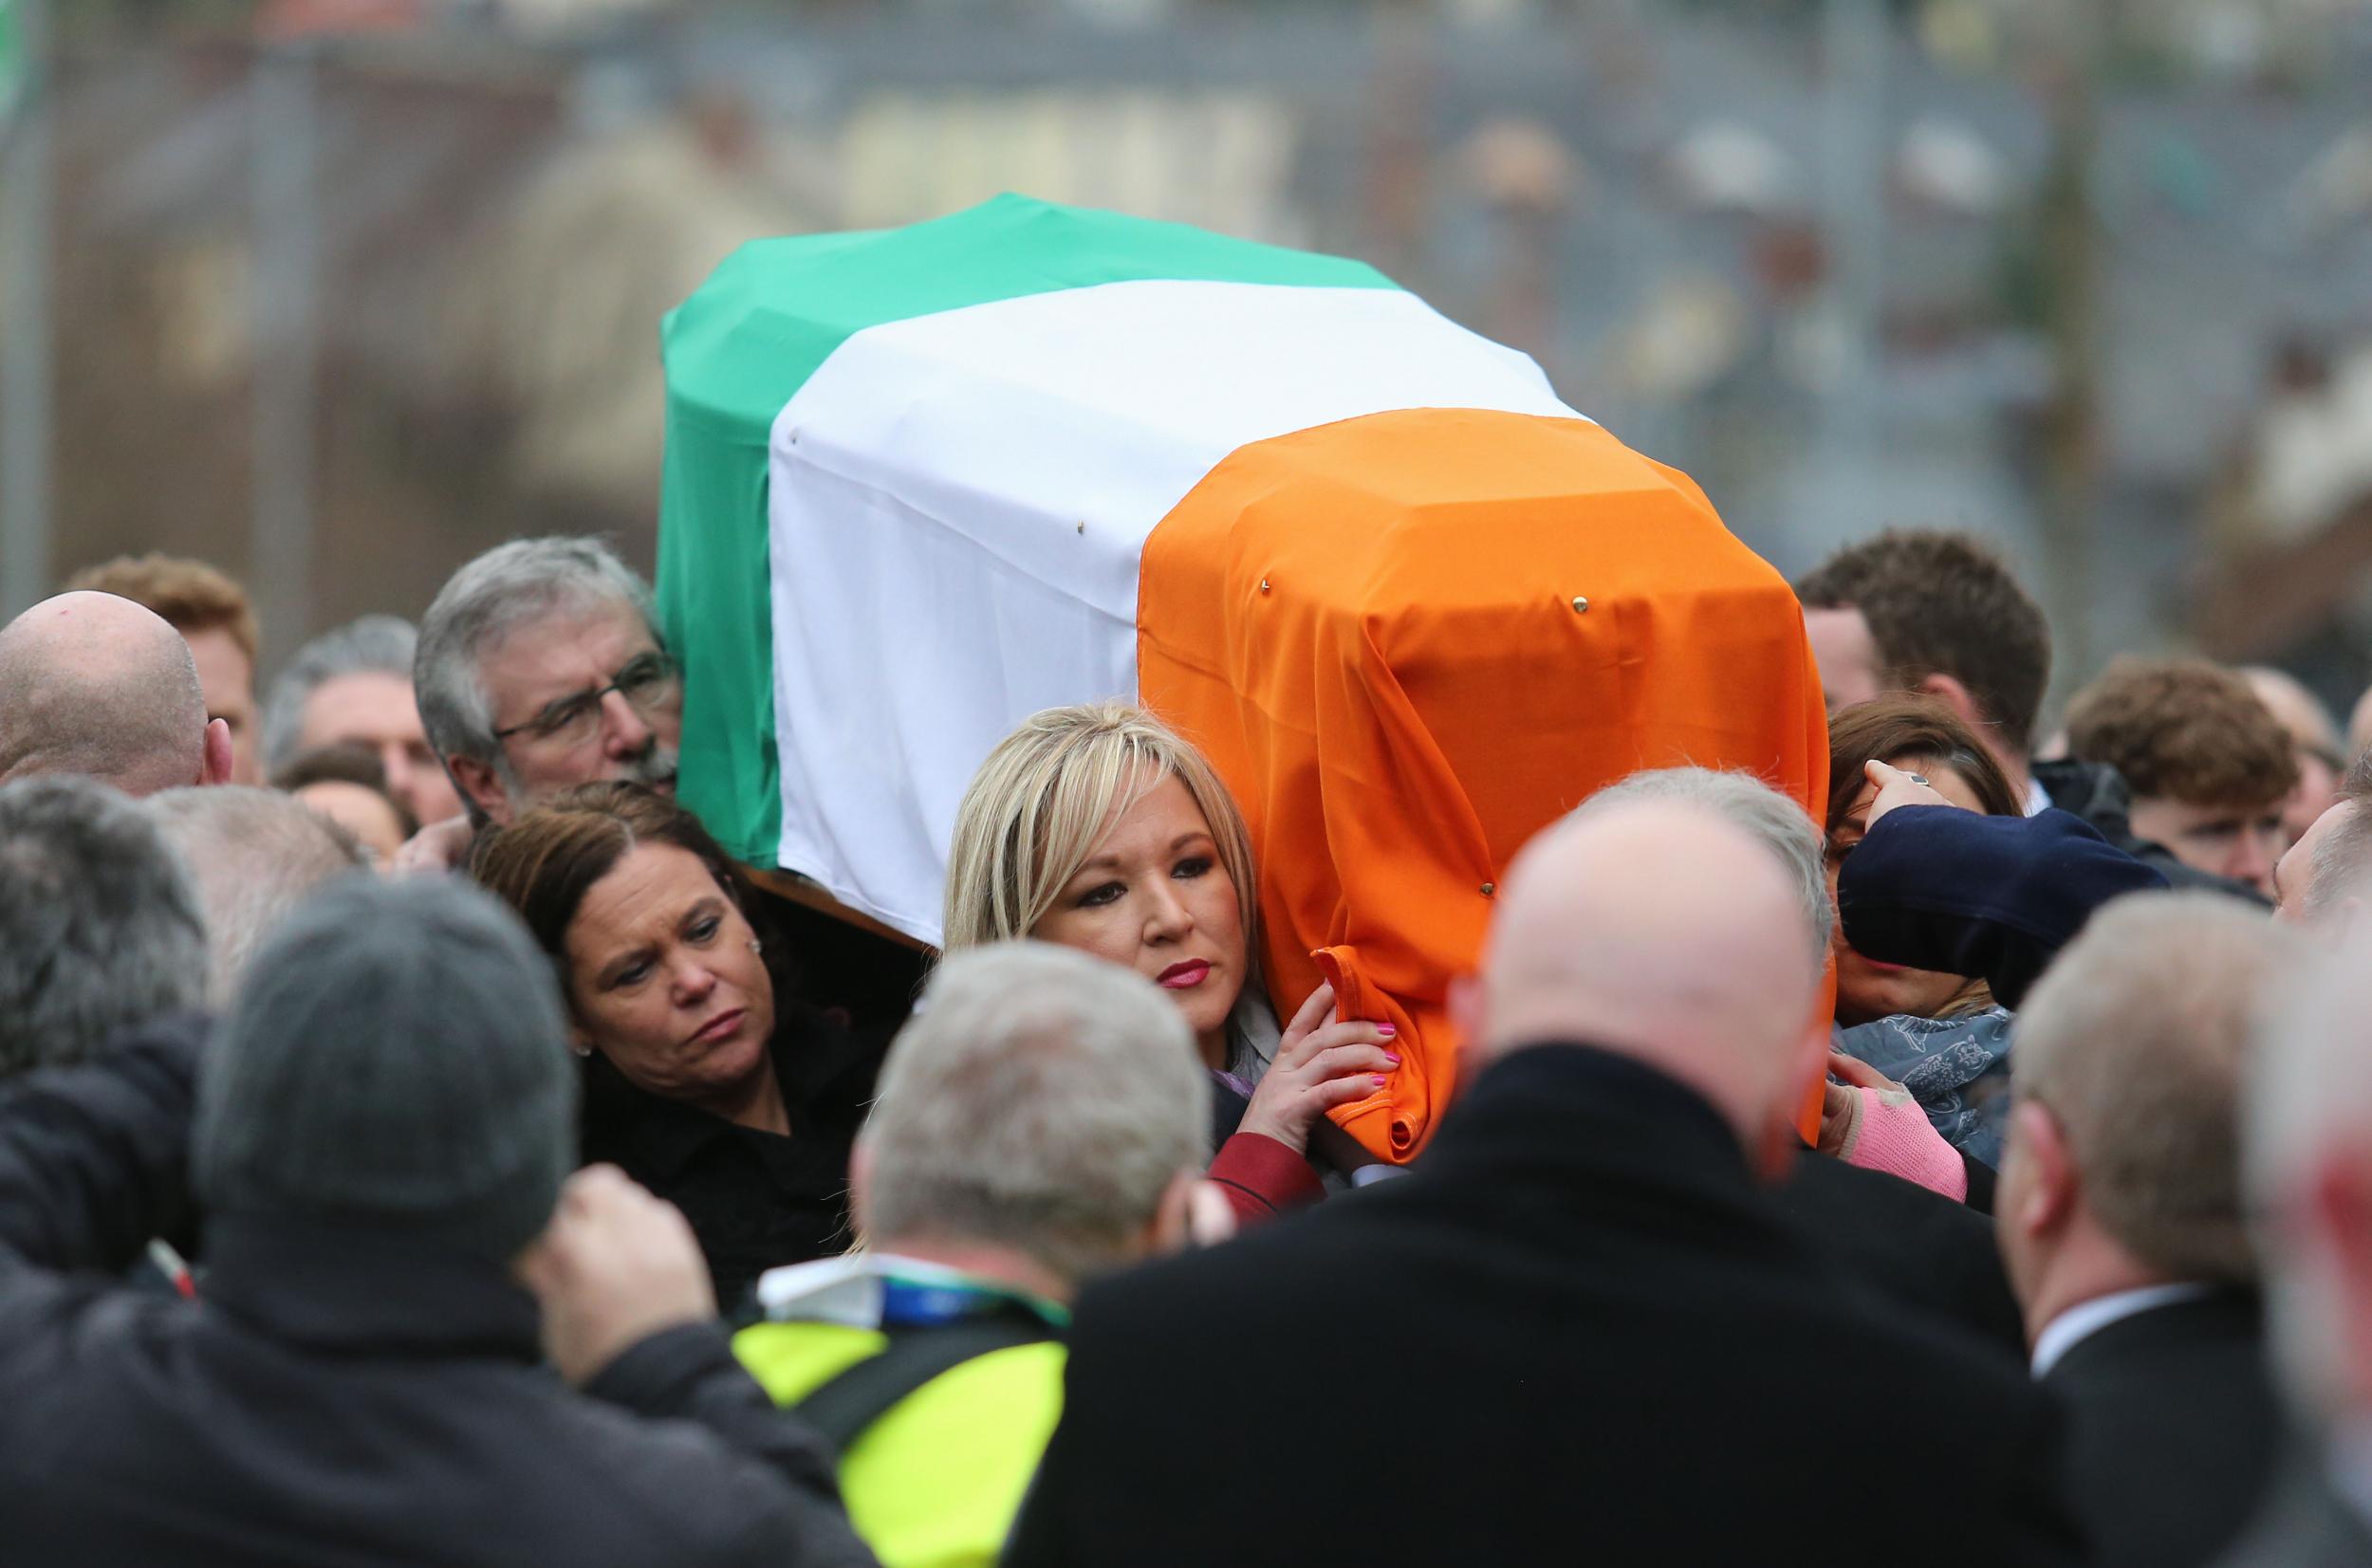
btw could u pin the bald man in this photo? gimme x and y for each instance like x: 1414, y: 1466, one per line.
x: 1577, y: 1328
x: 1713, y: 997
x: 95, y: 685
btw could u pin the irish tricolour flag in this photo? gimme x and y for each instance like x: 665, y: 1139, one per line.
x: 923, y: 482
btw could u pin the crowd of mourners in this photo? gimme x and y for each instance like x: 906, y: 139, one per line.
x: 421, y: 1143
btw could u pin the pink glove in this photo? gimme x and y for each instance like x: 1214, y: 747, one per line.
x: 1888, y: 1132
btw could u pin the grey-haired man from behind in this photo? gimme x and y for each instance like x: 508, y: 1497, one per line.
x: 380, y: 1135
x: 102, y: 927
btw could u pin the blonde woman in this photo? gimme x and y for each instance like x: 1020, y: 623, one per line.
x: 1098, y: 828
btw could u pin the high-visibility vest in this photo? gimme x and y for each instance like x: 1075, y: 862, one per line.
x: 937, y: 1480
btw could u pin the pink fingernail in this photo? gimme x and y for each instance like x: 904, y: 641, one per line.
x: 1390, y: 1058
x: 1379, y: 1080
x: 1387, y: 1031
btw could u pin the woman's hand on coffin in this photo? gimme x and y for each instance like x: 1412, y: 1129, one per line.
x: 1319, y: 1064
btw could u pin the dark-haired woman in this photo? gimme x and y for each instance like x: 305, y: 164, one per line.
x: 1941, y: 1036
x: 703, y: 1080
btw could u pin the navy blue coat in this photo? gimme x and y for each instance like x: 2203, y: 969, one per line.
x: 1938, y: 888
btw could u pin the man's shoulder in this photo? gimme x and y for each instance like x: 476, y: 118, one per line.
x: 712, y: 1501
x: 1292, y: 1252
x: 616, y: 1485
x: 1414, y: 1244
x: 63, y: 1336
x: 1937, y: 1388
x: 1843, y: 1210
x: 1400, y: 1242
x: 2303, y: 1523
x: 1921, y: 1251
x: 2191, y: 1362
x: 1972, y: 1378
x: 2220, y: 1329
x: 1821, y: 1187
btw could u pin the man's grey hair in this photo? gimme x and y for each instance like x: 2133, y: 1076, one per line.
x: 254, y: 855
x: 100, y: 927
x: 2308, y: 1105
x: 1042, y: 1100
x: 1771, y: 819
x: 372, y: 645
x: 509, y: 587
x: 2137, y: 1042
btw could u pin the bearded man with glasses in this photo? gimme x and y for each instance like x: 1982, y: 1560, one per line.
x: 541, y: 668
x: 570, y: 724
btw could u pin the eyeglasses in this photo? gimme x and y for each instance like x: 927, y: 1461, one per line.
x: 649, y: 683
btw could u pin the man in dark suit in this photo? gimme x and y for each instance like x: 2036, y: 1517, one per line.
x: 1918, y: 1249
x: 1576, y: 1329
x: 2121, y: 1219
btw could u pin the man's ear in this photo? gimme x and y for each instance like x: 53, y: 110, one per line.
x: 1465, y: 1004
x: 2338, y: 1194
x: 1470, y: 1019
x: 1193, y: 1213
x: 1782, y: 1133
x: 1955, y: 697
x: 2341, y: 918
x: 214, y: 761
x: 2046, y: 1196
x: 480, y: 787
x: 860, y: 1185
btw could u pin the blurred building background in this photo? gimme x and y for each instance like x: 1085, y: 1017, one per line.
x: 336, y: 292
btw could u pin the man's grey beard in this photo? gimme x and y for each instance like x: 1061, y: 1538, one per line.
x: 652, y: 769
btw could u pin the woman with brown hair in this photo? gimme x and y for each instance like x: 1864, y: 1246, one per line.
x: 1941, y: 1036
x: 703, y: 1080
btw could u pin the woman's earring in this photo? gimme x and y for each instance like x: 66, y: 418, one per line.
x: 582, y: 1050
x: 755, y: 944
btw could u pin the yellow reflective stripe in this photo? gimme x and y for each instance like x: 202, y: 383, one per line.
x: 938, y: 1480
x: 792, y: 1360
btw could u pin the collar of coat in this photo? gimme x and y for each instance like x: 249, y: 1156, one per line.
x: 1572, y: 1108
x: 824, y: 1069
x: 340, y: 1289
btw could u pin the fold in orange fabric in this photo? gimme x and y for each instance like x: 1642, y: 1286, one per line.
x: 1409, y: 641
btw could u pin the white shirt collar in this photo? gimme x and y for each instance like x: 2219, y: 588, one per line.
x: 2086, y: 1318
x: 2037, y: 798
x: 847, y: 1290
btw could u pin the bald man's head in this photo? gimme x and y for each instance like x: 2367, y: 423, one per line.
x: 95, y: 685
x: 1659, y: 930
